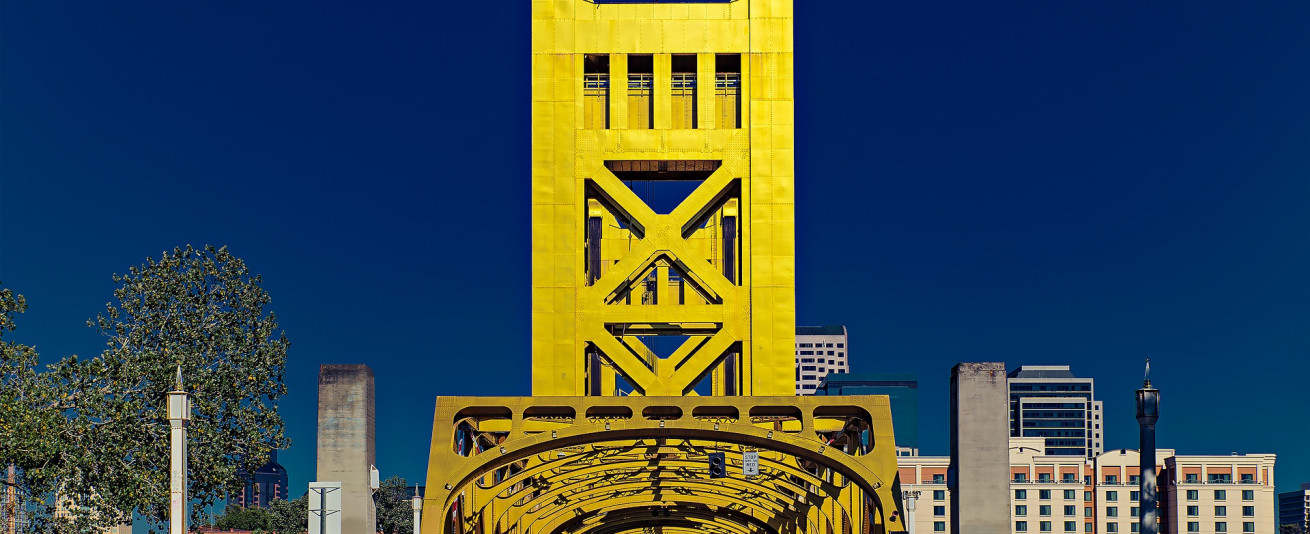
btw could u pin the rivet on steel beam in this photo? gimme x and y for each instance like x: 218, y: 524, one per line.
x: 820, y: 449
x: 502, y: 450
x: 449, y: 487
x: 716, y: 426
x: 553, y: 434
x: 661, y: 424
x: 607, y: 425
x: 770, y: 436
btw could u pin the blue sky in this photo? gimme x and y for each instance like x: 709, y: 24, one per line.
x: 1090, y: 183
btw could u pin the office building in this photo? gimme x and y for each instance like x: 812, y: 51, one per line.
x: 1060, y: 494
x: 819, y: 350
x: 1048, y: 401
x: 901, y: 388
x: 1294, y: 508
x: 267, y: 485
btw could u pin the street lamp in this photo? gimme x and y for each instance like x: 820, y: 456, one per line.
x: 179, y: 414
x: 417, y: 503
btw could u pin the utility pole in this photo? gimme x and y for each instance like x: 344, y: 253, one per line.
x: 1148, y: 411
x: 179, y: 413
x: 417, y: 503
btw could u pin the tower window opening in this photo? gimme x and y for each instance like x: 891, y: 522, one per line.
x: 641, y: 83
x: 727, y: 90
x: 683, y: 84
x: 595, y: 91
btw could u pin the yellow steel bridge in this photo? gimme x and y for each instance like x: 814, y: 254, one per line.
x: 663, y: 300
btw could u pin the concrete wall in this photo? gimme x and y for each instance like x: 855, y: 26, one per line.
x: 345, y: 441
x: 980, y: 460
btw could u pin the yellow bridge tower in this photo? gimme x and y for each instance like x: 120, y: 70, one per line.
x: 663, y: 299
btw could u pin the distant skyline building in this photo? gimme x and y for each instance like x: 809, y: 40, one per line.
x: 1232, y: 494
x: 819, y: 350
x: 1294, y: 508
x: 269, y: 484
x: 1048, y: 401
x: 902, y: 388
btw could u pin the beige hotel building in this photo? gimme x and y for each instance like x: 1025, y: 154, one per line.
x: 1065, y: 495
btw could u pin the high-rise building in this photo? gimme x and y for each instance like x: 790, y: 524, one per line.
x: 1294, y: 508
x: 1048, y: 401
x: 267, y: 485
x: 819, y: 350
x: 1062, y: 494
x: 902, y: 388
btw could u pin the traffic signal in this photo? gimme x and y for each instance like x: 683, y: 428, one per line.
x: 718, y: 465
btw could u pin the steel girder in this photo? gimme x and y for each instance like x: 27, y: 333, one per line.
x: 578, y: 464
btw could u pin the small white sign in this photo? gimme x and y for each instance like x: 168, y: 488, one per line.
x: 750, y: 463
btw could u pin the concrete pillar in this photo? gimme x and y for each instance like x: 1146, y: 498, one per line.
x: 980, y: 461
x: 345, y: 441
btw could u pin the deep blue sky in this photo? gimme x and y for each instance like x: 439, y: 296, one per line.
x: 1090, y: 183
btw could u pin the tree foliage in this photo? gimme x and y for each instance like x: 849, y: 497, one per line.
x: 281, y: 517
x: 95, y: 431
x: 395, y: 512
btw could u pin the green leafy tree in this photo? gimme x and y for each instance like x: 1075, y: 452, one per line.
x: 240, y: 518
x: 94, y: 432
x: 395, y: 512
x: 289, y: 517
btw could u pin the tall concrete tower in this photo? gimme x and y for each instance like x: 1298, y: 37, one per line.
x: 346, y: 451
x: 1148, y: 411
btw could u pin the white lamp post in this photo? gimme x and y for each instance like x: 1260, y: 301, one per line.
x: 417, y: 503
x: 179, y: 413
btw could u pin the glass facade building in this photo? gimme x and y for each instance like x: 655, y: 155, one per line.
x: 1048, y: 401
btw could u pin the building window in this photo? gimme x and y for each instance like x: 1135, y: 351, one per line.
x: 727, y: 90
x: 1020, y: 509
x: 1045, y: 526
x: 1135, y: 496
x: 1087, y: 496
x: 1020, y: 494
x: 1087, y: 527
x: 1223, y: 478
x: 1191, y: 478
x: 1021, y: 526
x: 1193, y: 511
x: 1087, y: 511
x: 1043, y: 477
x: 1044, y: 495
x: 1248, y: 495
x: 1248, y: 526
x: 1193, y: 526
x: 841, y: 345
x: 1134, y: 527
x: 1220, y: 526
x: 1111, y: 496
x: 1133, y: 511
x: 683, y: 103
x: 1071, y: 478
x: 1070, y: 510
x: 1134, y: 480
x: 1112, y: 527
x: 1070, y: 494
x: 939, y: 526
x: 596, y: 91
x: 1111, y: 479
x: 1220, y: 495
x: 939, y: 479
x: 939, y: 511
x: 1111, y: 511
x: 938, y: 495
x: 1248, y: 511
x: 1220, y: 511
x: 1070, y: 526
x: 641, y: 85
x: 1248, y: 478
x: 1193, y: 495
x: 1020, y: 477
x: 1044, y: 510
